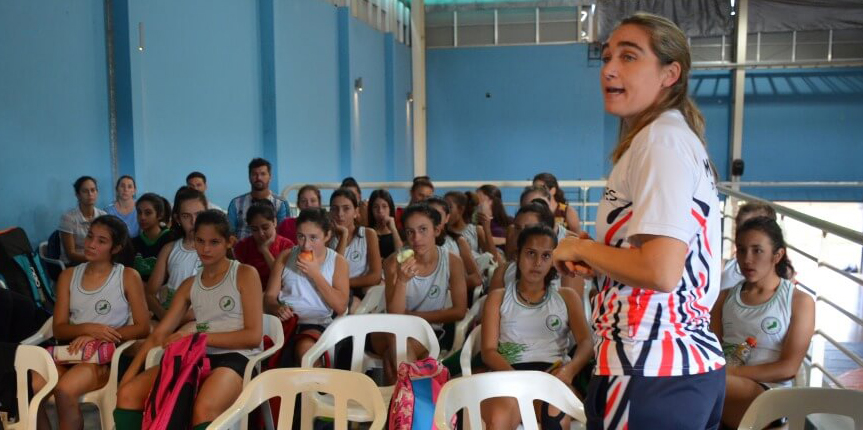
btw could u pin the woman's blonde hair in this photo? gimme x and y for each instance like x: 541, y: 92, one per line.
x: 670, y: 45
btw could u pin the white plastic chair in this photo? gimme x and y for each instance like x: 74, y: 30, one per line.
x: 486, y: 264
x: 801, y: 379
x: 798, y: 403
x: 374, y: 301
x: 523, y: 385
x: 287, y: 383
x: 31, y: 358
x: 104, y: 398
x: 461, y: 328
x: 471, y: 347
x: 272, y: 328
x: 43, y: 254
x: 358, y: 327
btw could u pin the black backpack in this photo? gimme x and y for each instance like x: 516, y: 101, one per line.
x: 22, y: 269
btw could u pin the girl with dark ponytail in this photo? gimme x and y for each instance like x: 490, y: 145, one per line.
x: 563, y: 212
x: 98, y: 301
x: 767, y: 307
x: 154, y: 216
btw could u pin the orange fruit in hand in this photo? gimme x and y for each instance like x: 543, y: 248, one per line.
x: 307, y: 256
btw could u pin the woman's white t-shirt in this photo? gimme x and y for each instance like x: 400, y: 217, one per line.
x: 663, y: 185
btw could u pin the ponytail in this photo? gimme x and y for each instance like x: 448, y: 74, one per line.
x: 160, y: 205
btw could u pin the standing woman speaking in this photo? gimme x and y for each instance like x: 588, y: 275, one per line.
x: 658, y: 244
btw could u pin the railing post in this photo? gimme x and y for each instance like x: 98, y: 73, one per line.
x: 584, y: 199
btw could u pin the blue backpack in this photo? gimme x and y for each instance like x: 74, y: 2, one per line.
x: 22, y: 270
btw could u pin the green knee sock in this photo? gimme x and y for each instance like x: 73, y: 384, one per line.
x: 128, y: 419
x: 202, y: 426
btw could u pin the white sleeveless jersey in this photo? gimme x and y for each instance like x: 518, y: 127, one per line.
x: 451, y: 245
x: 767, y: 323
x: 182, y: 264
x: 537, y: 333
x: 429, y: 293
x: 356, y: 253
x: 219, y: 309
x: 470, y: 235
x: 300, y: 293
x: 106, y: 305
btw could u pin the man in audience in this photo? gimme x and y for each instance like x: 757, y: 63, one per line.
x: 259, y: 177
x: 197, y: 181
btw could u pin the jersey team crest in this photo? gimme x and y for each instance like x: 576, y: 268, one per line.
x: 226, y: 303
x: 771, y: 325
x: 434, y: 292
x: 553, y: 322
x: 103, y: 307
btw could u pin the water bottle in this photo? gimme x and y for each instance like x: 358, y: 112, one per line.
x: 741, y: 353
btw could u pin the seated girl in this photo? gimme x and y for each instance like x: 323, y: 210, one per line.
x: 362, y: 206
x: 308, y: 197
x: 731, y: 275
x: 529, y: 215
x: 358, y: 244
x: 526, y: 325
x: 421, y: 189
x: 461, y: 206
x: 563, y: 212
x: 124, y: 204
x: 75, y: 223
x: 261, y: 248
x: 420, y: 285
x: 99, y: 300
x: 309, y: 281
x: 382, y: 216
x: 491, y: 210
x: 767, y: 307
x: 540, y: 193
x: 455, y: 243
x: 227, y: 303
x: 154, y: 214
x: 178, y: 260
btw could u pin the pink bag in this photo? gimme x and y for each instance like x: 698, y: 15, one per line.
x: 415, y: 394
x: 183, y: 369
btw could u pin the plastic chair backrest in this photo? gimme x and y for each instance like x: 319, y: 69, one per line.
x: 798, y: 403
x: 373, y: 302
x: 525, y: 386
x: 359, y: 326
x: 471, y: 346
x: 287, y: 383
x: 37, y: 359
x: 45, y: 332
x: 272, y: 328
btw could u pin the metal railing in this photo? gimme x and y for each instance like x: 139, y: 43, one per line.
x: 796, y: 50
x: 816, y: 368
